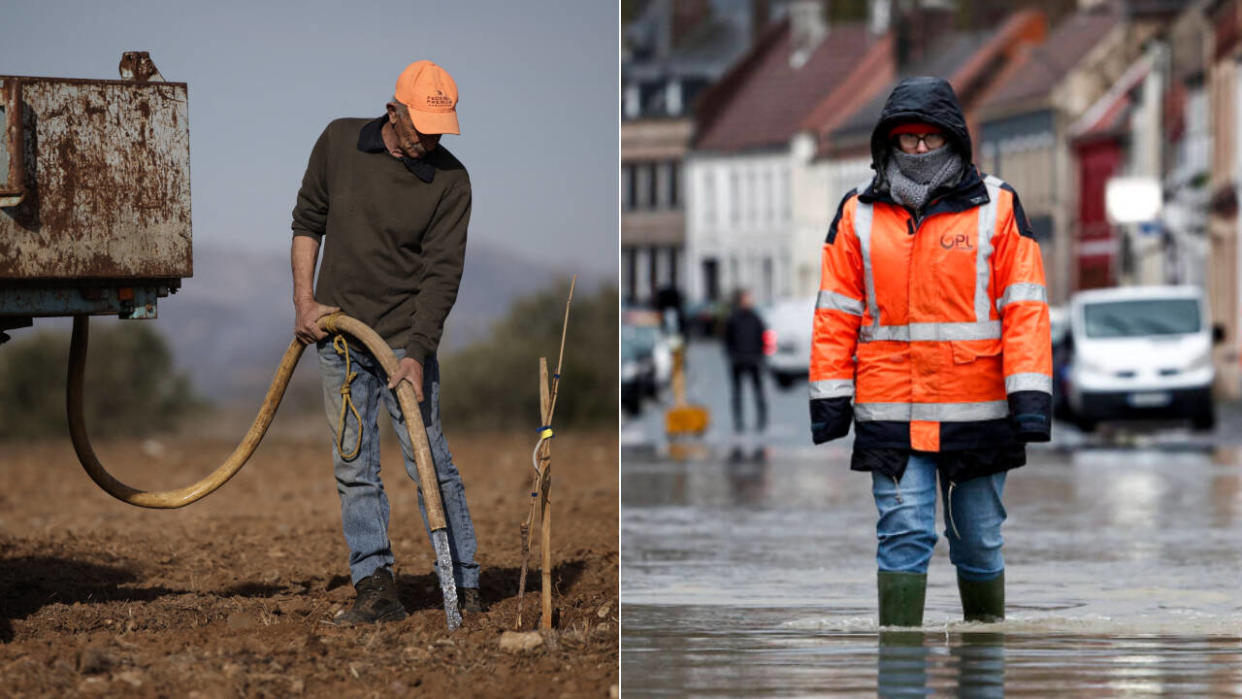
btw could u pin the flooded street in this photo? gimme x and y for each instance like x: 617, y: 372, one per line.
x: 757, y: 576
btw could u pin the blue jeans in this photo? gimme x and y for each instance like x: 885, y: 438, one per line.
x: 364, y: 505
x: 907, y: 525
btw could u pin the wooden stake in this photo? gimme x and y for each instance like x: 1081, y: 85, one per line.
x: 542, y: 481
x: 545, y: 471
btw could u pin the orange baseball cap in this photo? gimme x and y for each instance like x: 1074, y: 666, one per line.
x: 430, y: 94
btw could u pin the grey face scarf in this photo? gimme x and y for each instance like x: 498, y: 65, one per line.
x: 912, y: 177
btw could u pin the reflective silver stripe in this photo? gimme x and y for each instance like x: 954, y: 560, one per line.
x: 932, y: 332
x: 935, y: 412
x: 862, y: 228
x: 1028, y: 382
x: 832, y: 388
x: 839, y: 302
x: 983, y: 254
x: 1022, y: 292
x: 873, y: 412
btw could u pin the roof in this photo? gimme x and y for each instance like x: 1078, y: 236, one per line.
x: 948, y: 54
x: 707, y: 48
x: 1038, y: 70
x: 1131, y: 293
x: 875, y: 69
x: 969, y: 60
x: 1108, y: 114
x: 762, y: 100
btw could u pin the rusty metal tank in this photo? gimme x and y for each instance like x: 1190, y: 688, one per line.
x: 94, y: 196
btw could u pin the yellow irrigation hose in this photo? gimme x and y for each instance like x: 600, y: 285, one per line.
x: 341, y: 345
x: 169, y: 499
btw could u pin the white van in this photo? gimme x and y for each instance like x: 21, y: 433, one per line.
x: 791, y: 323
x: 1141, y: 352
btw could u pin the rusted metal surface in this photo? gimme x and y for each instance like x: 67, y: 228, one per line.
x: 13, y: 185
x: 139, y: 302
x: 107, y: 183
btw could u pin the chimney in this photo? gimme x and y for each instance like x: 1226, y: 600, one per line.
x: 760, y: 16
x: 808, y: 25
x: 917, y: 27
x: 879, y: 16
x: 686, y: 15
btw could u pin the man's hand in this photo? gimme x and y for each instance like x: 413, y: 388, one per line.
x: 408, y: 370
x: 305, y: 326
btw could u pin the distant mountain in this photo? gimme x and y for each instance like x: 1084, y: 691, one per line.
x: 231, y: 322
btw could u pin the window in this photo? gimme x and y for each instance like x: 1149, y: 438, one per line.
x: 709, y: 198
x: 653, y: 270
x: 769, y: 200
x: 711, y: 279
x: 653, y: 186
x: 674, y: 184
x: 642, y: 174
x: 735, y: 198
x: 782, y: 205
x: 629, y: 273
x: 627, y: 186
x: 1139, y: 318
x: 752, y: 197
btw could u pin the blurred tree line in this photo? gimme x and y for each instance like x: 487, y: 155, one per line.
x: 494, y: 384
x: 131, y: 389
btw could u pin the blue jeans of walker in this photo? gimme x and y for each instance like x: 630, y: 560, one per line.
x: 364, y: 505
x: 906, y: 529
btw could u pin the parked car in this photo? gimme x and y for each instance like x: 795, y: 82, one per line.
x: 1141, y: 352
x: 788, y: 341
x: 646, y: 359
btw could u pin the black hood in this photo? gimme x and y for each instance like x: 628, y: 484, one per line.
x: 926, y: 99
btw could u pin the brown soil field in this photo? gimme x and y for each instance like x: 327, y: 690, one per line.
x: 232, y: 596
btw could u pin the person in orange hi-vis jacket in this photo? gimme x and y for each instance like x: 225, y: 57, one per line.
x: 932, y: 337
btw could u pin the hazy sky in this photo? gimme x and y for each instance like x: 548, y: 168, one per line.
x: 538, y: 110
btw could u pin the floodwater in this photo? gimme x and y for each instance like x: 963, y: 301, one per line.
x: 757, y: 578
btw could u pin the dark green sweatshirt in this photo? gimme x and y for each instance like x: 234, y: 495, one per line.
x: 393, y: 232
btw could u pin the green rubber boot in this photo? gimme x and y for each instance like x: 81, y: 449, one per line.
x: 901, y: 598
x: 983, y: 600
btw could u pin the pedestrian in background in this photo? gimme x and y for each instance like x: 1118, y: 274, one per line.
x: 931, y: 335
x: 744, y: 331
x: 392, y: 206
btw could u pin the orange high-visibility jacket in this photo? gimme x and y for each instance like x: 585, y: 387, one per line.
x: 932, y: 335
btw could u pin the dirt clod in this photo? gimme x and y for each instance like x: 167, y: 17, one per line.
x: 94, y: 660
x: 520, y: 642
x: 240, y: 621
x: 130, y: 677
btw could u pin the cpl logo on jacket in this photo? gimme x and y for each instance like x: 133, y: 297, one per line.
x: 956, y: 241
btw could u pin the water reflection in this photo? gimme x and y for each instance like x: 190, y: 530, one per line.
x: 975, y: 664
x: 980, y: 664
x: 748, y: 477
x: 756, y: 577
x: 901, y: 664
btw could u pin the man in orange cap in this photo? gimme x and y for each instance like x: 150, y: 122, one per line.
x: 391, y: 207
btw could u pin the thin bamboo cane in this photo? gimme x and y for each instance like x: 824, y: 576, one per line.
x: 538, y: 485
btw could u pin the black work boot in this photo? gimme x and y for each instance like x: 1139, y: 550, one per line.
x: 901, y: 597
x: 376, y: 601
x: 469, y: 601
x: 982, y: 600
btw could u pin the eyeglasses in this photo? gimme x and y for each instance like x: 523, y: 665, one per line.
x: 910, y: 141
